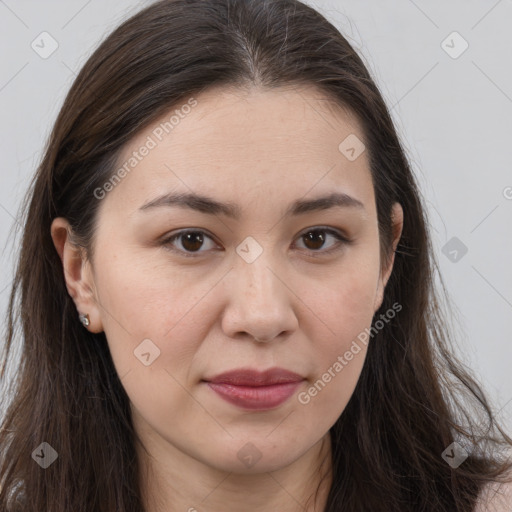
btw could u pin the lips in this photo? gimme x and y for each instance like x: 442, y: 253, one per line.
x: 250, y: 377
x: 255, y: 390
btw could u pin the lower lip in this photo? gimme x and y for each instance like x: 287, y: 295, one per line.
x: 255, y: 397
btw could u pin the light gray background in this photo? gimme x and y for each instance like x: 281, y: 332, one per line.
x: 453, y: 114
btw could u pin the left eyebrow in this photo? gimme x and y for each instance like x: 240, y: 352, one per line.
x: 211, y: 206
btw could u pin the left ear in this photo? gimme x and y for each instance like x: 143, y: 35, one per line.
x: 397, y: 219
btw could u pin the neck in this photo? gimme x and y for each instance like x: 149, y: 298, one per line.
x: 172, y: 481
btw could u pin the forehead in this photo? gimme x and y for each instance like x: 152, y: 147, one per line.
x: 242, y: 143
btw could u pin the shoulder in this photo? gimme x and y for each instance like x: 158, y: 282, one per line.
x: 496, y: 497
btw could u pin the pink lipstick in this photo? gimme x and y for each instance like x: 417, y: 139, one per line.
x: 255, y: 390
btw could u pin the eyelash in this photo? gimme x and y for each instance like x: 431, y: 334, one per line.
x: 342, y: 240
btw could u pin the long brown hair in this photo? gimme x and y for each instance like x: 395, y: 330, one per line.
x: 413, y: 398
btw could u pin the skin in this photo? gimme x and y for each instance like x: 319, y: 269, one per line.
x: 262, y: 150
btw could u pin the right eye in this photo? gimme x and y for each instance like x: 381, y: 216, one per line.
x: 191, y: 242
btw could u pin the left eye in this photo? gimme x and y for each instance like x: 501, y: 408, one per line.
x: 315, y: 238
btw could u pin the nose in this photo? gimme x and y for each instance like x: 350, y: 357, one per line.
x: 260, y: 302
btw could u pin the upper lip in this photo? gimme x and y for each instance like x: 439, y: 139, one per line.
x: 252, y: 377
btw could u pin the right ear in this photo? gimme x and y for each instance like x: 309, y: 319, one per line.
x: 77, y: 273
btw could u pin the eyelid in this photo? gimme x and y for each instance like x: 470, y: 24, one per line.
x: 341, y: 238
x: 167, y: 241
x: 340, y: 235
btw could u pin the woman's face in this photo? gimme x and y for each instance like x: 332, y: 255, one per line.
x: 260, y: 284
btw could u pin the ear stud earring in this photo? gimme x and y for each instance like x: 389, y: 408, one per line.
x: 84, y: 319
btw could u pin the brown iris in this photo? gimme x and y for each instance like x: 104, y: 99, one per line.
x: 192, y: 240
x: 314, y: 237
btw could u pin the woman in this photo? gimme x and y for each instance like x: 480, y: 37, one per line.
x: 226, y: 287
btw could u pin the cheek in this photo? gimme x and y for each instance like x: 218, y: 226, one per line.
x: 341, y: 315
x: 329, y: 392
x: 140, y: 302
x: 155, y: 321
x: 341, y: 305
